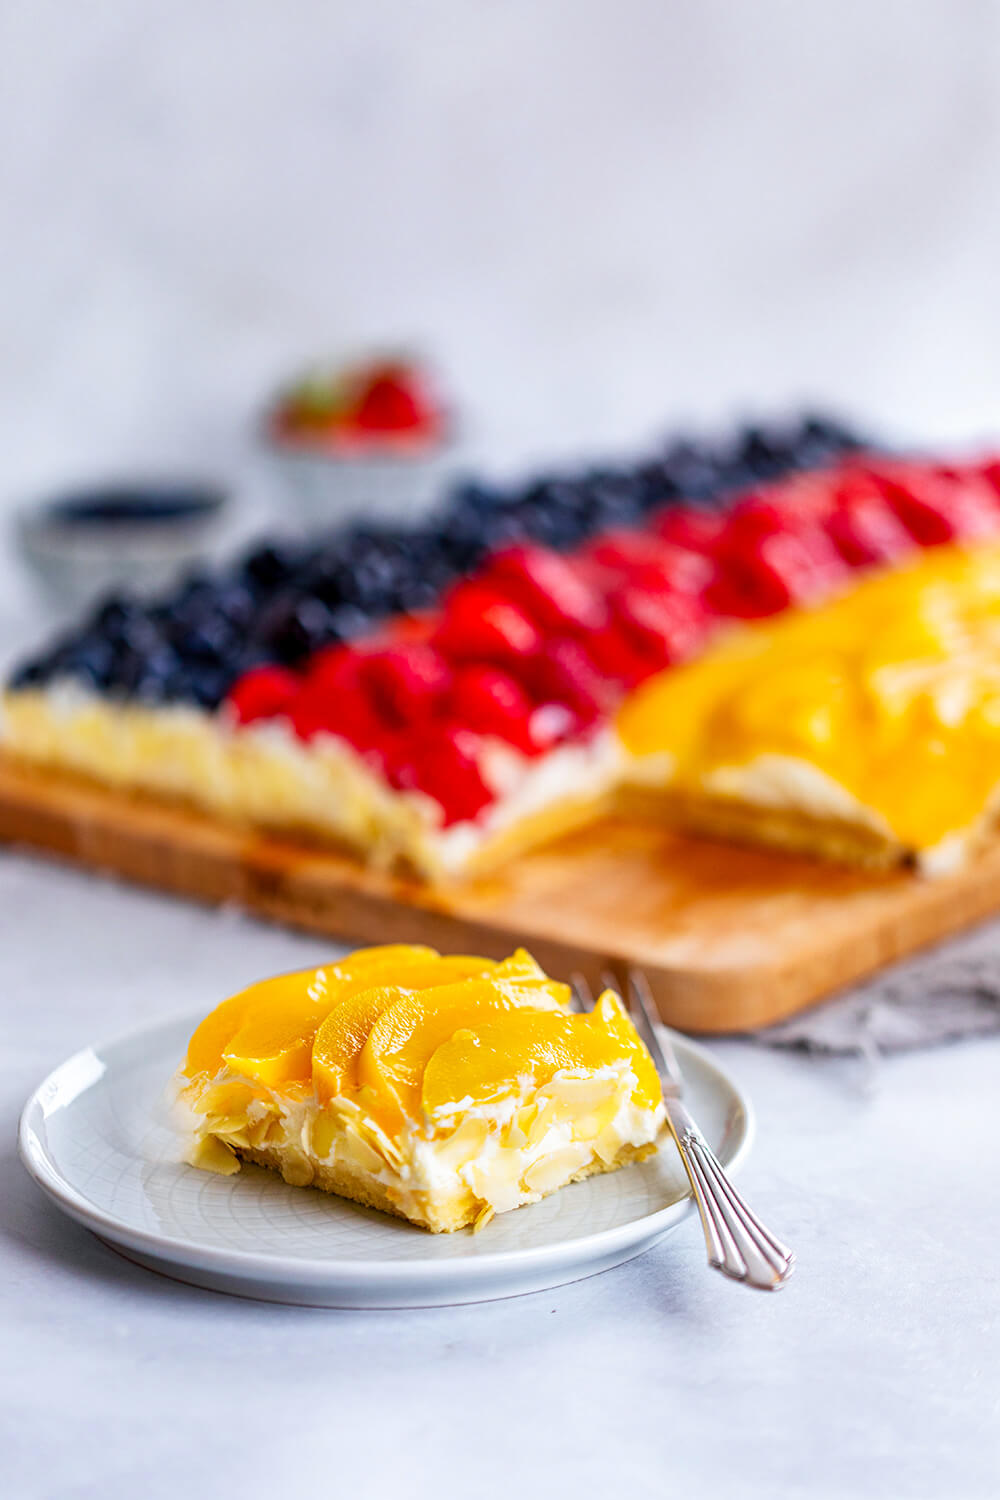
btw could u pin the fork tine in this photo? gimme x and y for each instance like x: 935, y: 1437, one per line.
x: 642, y: 995
x: 642, y: 1000
x: 582, y: 993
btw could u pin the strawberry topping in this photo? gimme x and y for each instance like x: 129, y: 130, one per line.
x: 564, y: 672
x: 936, y: 505
x: 409, y: 682
x: 443, y: 765
x: 697, y: 530
x: 548, y: 587
x: 768, y: 562
x: 492, y: 701
x: 263, y: 693
x: 334, y: 699
x: 864, y: 527
x: 480, y: 624
x: 667, y: 626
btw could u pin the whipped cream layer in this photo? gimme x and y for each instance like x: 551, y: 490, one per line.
x: 486, y: 1159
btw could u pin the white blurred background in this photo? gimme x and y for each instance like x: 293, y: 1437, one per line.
x: 601, y: 219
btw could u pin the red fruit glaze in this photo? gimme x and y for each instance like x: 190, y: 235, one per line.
x: 444, y: 766
x: 800, y: 500
x: 935, y: 506
x: 548, y: 587
x: 408, y: 682
x: 564, y: 672
x: 652, y: 562
x: 334, y: 699
x: 351, y: 718
x: 335, y: 668
x: 698, y: 530
x: 479, y: 623
x: 666, y: 626
x: 771, y: 513
x: 989, y: 469
x: 864, y: 527
x: 263, y: 693
x: 764, y: 571
x: 489, y: 700
x: 620, y: 656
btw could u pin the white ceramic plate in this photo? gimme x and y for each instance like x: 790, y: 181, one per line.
x: 96, y: 1136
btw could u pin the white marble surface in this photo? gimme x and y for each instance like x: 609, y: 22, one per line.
x: 875, y: 1374
x: 601, y: 218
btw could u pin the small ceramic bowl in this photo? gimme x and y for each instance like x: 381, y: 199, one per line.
x: 326, y: 485
x: 138, y: 535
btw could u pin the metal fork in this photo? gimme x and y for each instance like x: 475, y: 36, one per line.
x: 738, y: 1244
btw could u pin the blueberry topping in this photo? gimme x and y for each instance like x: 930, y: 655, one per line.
x: 293, y: 627
x: 269, y: 566
x: 282, y: 601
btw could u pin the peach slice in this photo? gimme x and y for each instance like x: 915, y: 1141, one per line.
x: 344, y: 1032
x: 383, y: 957
x: 205, y: 1049
x: 285, y: 994
x: 409, y: 1031
x: 494, y: 1059
x: 274, y: 1044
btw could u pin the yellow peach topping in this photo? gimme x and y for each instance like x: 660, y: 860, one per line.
x: 409, y: 1034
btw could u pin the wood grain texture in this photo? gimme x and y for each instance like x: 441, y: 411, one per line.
x: 730, y: 938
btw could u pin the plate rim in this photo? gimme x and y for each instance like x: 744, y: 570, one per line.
x: 251, y: 1264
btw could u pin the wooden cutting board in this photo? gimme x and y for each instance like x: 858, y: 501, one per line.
x: 730, y: 938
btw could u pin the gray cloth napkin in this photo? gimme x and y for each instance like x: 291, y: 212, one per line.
x: 949, y: 992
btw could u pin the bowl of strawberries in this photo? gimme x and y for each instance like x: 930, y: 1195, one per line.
x: 370, y: 438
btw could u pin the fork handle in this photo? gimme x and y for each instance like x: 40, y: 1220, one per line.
x: 738, y: 1244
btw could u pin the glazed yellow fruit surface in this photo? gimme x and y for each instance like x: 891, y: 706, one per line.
x: 344, y: 1032
x: 476, y: 1064
x: 410, y: 1033
x: 892, y: 691
x: 266, y: 1031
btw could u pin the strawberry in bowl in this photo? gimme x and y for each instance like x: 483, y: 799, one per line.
x: 369, y: 438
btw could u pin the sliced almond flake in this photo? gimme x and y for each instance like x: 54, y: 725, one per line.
x: 345, y: 1109
x: 296, y: 1169
x: 498, y: 1185
x: 325, y: 1131
x: 261, y: 1131
x: 608, y: 1144
x: 381, y: 1142
x: 555, y: 1168
x: 361, y: 1153
x: 586, y: 1127
x: 226, y: 1098
x: 542, y: 1122
x: 227, y: 1124
x: 466, y: 1142
x: 485, y: 1214
x: 211, y: 1155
